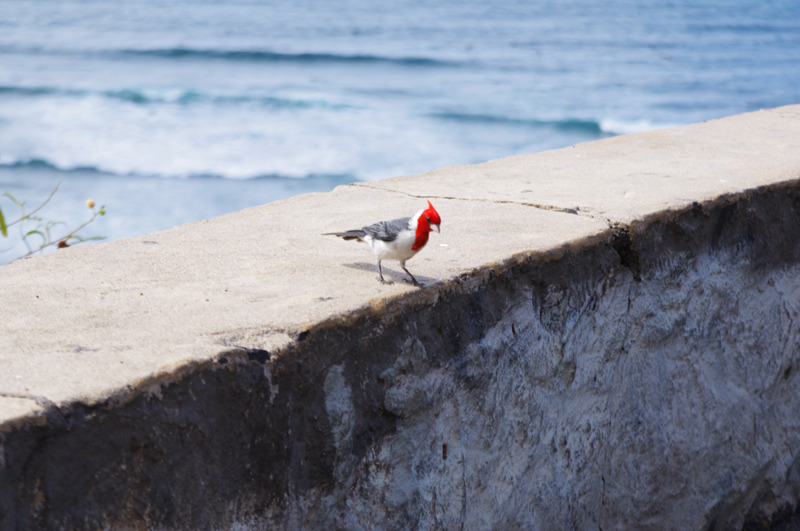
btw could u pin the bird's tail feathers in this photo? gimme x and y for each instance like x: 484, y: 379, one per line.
x: 348, y: 235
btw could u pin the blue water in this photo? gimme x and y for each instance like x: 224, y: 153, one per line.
x: 168, y: 112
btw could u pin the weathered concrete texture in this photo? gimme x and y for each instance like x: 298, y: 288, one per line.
x: 604, y: 402
x: 623, y: 355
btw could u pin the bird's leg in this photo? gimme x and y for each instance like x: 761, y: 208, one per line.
x: 380, y: 274
x: 413, y: 280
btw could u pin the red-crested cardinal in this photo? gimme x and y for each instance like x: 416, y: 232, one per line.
x: 398, y: 239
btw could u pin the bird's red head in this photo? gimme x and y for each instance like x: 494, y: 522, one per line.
x: 430, y: 218
x: 427, y: 220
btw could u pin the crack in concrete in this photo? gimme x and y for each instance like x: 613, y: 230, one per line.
x: 578, y: 211
x: 41, y: 401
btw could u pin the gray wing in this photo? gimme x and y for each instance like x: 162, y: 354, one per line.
x: 387, y: 230
x: 348, y: 235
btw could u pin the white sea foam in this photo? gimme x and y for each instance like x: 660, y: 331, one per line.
x: 124, y: 138
x: 624, y: 127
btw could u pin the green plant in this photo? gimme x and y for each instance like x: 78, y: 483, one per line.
x: 38, y: 233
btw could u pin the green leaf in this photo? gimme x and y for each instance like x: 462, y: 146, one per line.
x: 40, y: 233
x: 11, y: 196
x: 51, y: 224
x: 3, y: 227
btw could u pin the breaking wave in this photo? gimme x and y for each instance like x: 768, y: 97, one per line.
x: 574, y: 125
x: 269, y: 56
x: 145, y: 96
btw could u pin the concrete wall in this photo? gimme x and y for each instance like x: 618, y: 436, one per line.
x: 610, y: 338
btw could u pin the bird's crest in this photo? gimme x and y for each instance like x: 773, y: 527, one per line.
x: 432, y: 216
x: 426, y: 218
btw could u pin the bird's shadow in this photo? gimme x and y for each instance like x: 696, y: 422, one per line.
x: 399, y: 277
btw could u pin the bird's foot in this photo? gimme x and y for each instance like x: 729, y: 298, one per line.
x: 384, y: 281
x: 411, y: 277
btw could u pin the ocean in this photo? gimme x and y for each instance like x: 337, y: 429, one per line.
x: 170, y: 112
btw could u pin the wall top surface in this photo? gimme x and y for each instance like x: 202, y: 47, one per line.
x: 99, y: 321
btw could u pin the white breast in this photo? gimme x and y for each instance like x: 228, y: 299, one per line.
x: 397, y: 249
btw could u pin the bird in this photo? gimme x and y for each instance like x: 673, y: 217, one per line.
x: 397, y: 239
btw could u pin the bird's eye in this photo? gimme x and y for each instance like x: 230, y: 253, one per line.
x: 428, y: 219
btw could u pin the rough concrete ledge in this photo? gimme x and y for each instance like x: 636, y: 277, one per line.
x: 610, y: 338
